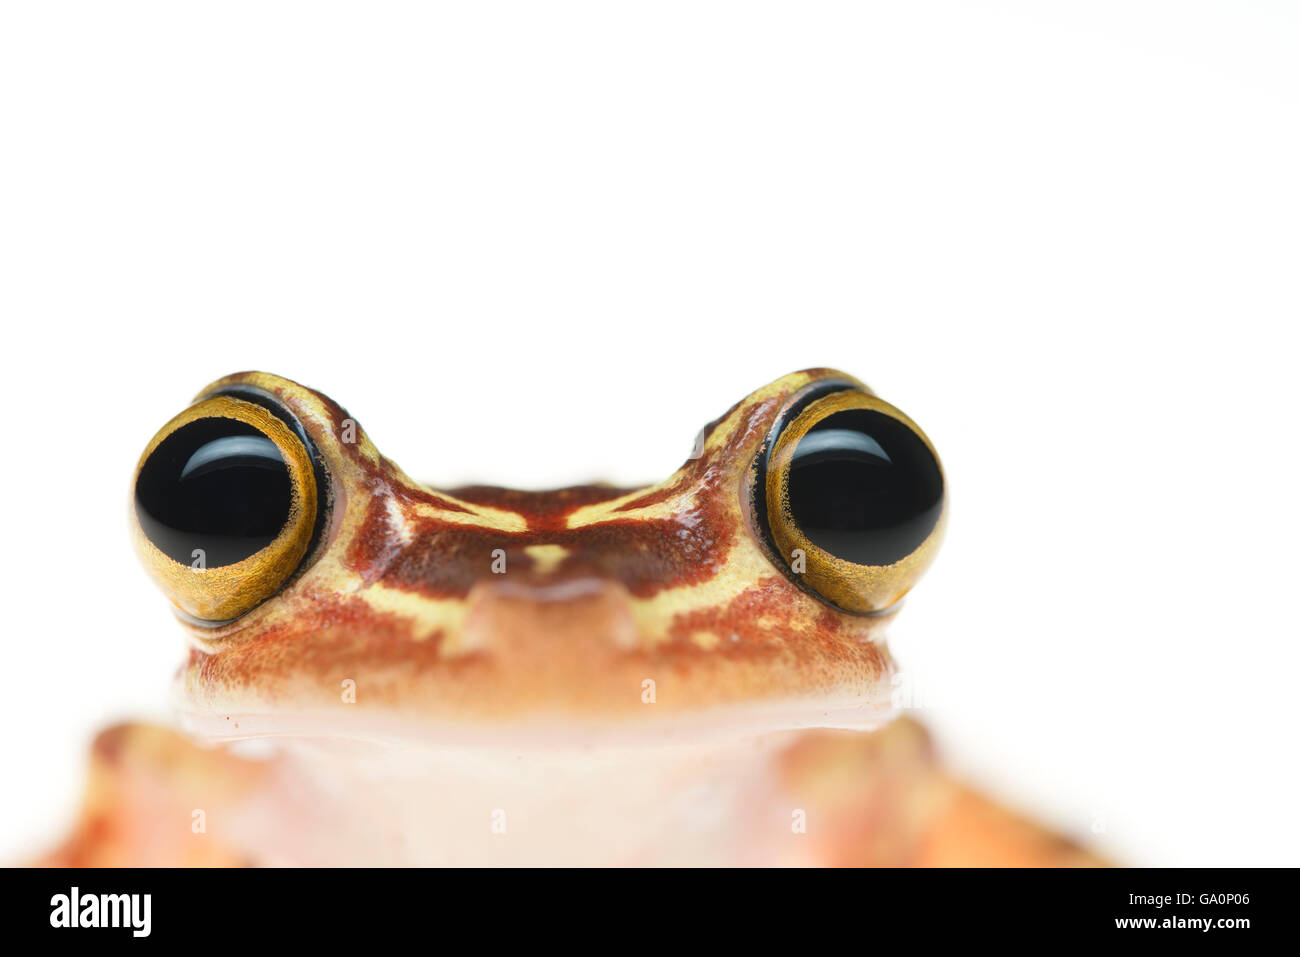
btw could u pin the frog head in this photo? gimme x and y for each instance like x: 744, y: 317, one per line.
x: 324, y: 592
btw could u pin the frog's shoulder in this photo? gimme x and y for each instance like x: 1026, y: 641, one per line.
x: 883, y: 798
x: 154, y: 798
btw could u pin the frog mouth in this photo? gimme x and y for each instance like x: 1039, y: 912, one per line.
x: 545, y: 663
x: 553, y: 733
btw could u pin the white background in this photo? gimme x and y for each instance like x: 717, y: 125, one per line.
x: 542, y: 243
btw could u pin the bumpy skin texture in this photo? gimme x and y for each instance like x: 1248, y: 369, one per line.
x: 496, y: 621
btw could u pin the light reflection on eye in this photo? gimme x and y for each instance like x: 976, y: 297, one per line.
x: 245, y: 451
x: 838, y: 444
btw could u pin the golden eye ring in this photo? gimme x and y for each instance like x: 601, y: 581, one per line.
x: 224, y: 507
x: 855, y: 500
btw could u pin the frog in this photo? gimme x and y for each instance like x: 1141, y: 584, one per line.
x: 691, y: 673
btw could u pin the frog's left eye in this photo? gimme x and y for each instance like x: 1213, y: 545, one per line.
x: 854, y: 499
x: 225, y: 507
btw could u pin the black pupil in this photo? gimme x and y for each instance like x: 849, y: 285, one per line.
x: 865, y: 487
x: 214, y: 484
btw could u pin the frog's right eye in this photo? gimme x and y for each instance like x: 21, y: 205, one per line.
x: 225, y: 507
x: 853, y: 497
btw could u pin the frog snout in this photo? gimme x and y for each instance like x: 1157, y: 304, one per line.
x: 562, y: 614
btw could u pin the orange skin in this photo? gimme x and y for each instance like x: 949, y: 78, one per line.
x: 512, y: 622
